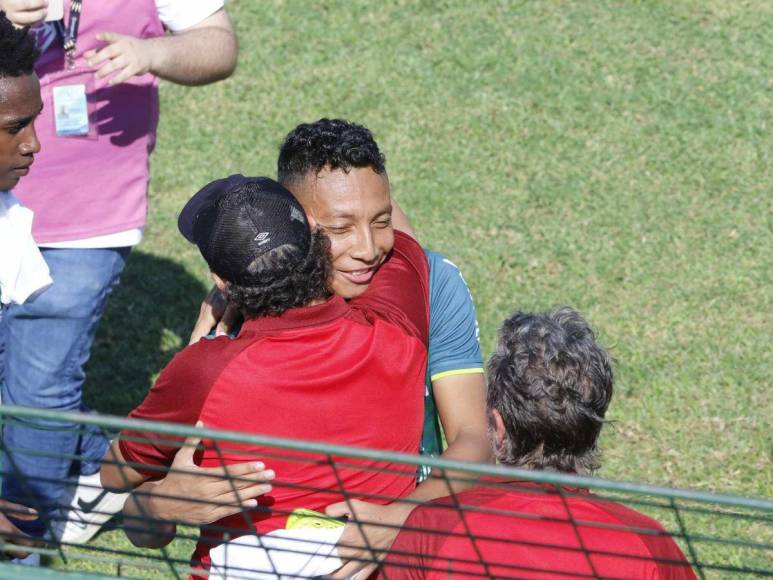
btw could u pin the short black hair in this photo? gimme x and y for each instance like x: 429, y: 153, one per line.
x: 332, y: 143
x: 552, y: 383
x: 18, y: 52
x: 284, y: 278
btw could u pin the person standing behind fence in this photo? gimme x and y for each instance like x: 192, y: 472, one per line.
x: 98, y: 71
x: 306, y: 364
x: 549, y: 386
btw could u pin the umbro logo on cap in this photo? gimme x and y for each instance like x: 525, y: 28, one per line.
x: 295, y: 214
x: 237, y: 219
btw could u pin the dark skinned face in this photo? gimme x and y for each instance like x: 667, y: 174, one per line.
x: 20, y: 104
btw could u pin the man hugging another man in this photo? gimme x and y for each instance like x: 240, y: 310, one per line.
x: 308, y: 364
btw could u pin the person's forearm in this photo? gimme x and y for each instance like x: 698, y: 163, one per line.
x: 385, y: 521
x: 194, y: 57
x: 467, y: 446
x: 142, y: 523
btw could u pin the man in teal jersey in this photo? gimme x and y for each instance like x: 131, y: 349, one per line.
x: 454, y: 344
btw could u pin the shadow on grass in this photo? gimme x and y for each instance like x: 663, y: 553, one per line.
x: 148, y: 319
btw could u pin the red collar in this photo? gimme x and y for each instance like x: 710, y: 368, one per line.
x: 524, y: 485
x: 304, y: 316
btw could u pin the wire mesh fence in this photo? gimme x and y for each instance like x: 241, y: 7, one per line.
x: 496, y: 521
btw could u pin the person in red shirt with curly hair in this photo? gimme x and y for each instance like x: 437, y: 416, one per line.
x: 549, y: 386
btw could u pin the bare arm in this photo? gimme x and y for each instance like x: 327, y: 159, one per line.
x: 461, y: 402
x: 215, y: 312
x: 143, y: 528
x: 201, y: 54
x: 116, y: 474
x: 15, y: 540
x: 188, y: 494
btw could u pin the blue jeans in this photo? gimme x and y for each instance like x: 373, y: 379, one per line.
x: 44, y: 346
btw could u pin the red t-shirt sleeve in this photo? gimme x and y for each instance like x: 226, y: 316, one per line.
x: 417, y: 552
x: 668, y: 561
x: 409, y: 555
x: 399, y: 292
x: 177, y: 396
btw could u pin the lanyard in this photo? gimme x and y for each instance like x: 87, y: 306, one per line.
x: 70, y: 34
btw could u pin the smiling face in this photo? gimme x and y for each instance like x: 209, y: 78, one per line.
x: 20, y: 104
x: 354, y: 209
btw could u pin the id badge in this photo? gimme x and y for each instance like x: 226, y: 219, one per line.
x: 72, y: 101
x: 71, y: 111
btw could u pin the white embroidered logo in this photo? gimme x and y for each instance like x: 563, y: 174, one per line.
x: 262, y: 238
x: 295, y: 214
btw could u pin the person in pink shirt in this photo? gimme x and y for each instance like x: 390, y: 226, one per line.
x: 99, y: 67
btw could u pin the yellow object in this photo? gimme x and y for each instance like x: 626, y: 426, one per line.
x: 473, y: 371
x: 302, y: 518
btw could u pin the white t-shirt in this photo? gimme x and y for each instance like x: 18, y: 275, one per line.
x: 175, y: 15
x: 23, y: 272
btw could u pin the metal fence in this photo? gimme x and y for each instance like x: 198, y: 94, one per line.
x: 462, y: 535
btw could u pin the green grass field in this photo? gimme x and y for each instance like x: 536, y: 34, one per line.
x: 610, y: 156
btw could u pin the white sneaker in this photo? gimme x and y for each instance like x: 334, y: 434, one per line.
x: 90, y: 508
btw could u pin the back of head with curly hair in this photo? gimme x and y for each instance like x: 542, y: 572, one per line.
x: 552, y: 383
x: 331, y: 143
x: 283, y: 278
x: 17, y: 50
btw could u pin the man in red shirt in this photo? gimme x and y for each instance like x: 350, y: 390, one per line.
x: 549, y: 386
x: 306, y: 364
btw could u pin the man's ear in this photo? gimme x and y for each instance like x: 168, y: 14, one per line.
x: 308, y: 209
x: 500, y: 432
x: 219, y: 282
x: 303, y: 192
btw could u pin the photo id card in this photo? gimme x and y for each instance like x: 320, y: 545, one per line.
x: 71, y: 111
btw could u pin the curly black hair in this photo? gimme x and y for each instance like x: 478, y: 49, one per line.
x: 552, y: 383
x: 332, y: 143
x: 18, y: 52
x: 283, y: 278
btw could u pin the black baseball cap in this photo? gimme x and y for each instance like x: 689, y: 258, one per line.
x: 235, y: 220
